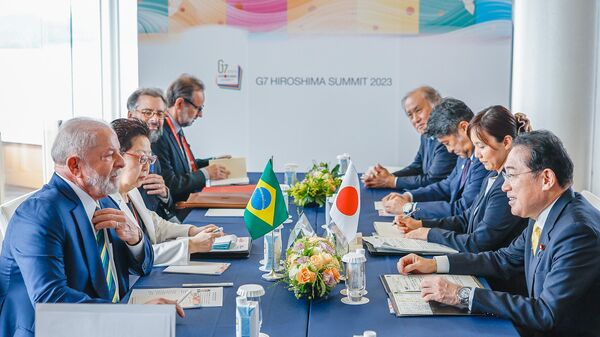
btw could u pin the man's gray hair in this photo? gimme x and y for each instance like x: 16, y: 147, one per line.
x: 429, y: 93
x: 75, y: 137
x: 152, y: 92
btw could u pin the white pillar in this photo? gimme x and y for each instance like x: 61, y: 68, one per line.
x: 554, y: 74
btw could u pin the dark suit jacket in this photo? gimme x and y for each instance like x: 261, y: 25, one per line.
x: 50, y: 255
x: 563, y: 279
x: 154, y: 202
x: 487, y: 225
x: 432, y: 163
x: 448, y: 197
x: 175, y: 168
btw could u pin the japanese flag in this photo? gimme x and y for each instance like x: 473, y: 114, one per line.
x: 346, y: 205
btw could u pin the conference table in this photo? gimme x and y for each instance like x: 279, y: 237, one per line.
x: 286, y: 316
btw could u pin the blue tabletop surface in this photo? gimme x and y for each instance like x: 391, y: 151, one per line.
x: 284, y: 315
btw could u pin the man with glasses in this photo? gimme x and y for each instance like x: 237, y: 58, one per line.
x: 559, y: 251
x: 182, y: 172
x: 150, y: 106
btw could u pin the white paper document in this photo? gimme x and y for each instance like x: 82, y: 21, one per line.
x: 387, y: 229
x: 225, y: 212
x: 378, y: 205
x: 104, y: 320
x: 198, y: 267
x: 237, y: 171
x: 403, y: 245
x: 187, y: 298
x: 412, y: 282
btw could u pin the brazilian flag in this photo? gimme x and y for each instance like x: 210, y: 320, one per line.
x: 266, y: 209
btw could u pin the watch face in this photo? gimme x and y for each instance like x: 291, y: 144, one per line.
x: 407, y: 207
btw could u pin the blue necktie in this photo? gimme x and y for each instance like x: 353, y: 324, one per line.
x: 106, y: 266
x: 465, y: 171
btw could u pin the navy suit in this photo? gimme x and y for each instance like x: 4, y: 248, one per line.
x: 448, y: 197
x: 175, y: 168
x: 487, y: 225
x: 154, y: 202
x: 563, y: 279
x: 50, y: 255
x: 432, y: 163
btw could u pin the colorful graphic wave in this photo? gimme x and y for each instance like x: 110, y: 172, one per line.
x: 399, y: 17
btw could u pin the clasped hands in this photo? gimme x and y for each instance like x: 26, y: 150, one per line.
x: 379, y: 177
x: 202, y: 238
x: 434, y: 288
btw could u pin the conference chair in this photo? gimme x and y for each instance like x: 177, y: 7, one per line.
x: 592, y: 198
x: 8, y: 209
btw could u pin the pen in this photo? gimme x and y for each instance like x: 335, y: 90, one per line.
x: 410, y: 213
x: 222, y: 284
x: 179, y: 301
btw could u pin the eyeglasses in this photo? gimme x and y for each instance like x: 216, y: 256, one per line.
x: 198, y: 108
x: 511, y: 176
x: 148, y: 113
x: 143, y: 158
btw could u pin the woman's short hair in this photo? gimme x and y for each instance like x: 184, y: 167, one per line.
x: 127, y: 129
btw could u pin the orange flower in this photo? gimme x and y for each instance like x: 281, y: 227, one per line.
x: 305, y: 276
x: 333, y: 272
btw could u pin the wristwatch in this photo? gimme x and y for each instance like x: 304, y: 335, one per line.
x: 463, y: 295
x: 408, y: 207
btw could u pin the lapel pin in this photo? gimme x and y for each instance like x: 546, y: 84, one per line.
x: 542, y: 246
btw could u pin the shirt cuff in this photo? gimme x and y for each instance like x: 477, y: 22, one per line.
x: 138, y: 250
x: 205, y: 172
x: 396, y: 181
x: 471, y: 295
x: 443, y: 264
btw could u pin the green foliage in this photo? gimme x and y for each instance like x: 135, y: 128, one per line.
x: 318, y: 184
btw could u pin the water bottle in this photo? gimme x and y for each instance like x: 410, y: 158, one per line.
x: 355, y: 278
x: 290, y: 176
x: 246, y: 318
x: 343, y: 160
x: 252, y: 293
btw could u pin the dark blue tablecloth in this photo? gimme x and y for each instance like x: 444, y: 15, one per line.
x: 284, y: 315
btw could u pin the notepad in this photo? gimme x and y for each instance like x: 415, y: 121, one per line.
x: 200, y: 268
x: 387, y: 229
x: 224, y: 242
x: 225, y: 212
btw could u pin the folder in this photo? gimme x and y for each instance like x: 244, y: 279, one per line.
x: 215, y: 200
x: 237, y: 171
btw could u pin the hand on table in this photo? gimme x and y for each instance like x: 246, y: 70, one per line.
x: 162, y: 300
x: 194, y: 230
x: 113, y: 218
x: 394, y: 203
x: 154, y: 184
x: 406, y: 224
x: 415, y: 264
x: 202, y: 242
x: 440, y: 290
x: 418, y: 234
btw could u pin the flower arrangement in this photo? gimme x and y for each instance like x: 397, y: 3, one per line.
x: 312, y: 267
x: 318, y: 184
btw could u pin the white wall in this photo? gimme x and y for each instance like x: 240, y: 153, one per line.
x: 305, y: 123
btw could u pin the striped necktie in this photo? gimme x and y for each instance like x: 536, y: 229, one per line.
x: 106, y: 266
x: 535, y: 238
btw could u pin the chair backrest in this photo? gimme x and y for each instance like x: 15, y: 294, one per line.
x: 104, y: 320
x: 592, y: 198
x: 8, y: 209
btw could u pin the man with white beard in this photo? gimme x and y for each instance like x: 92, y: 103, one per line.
x: 68, y: 242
